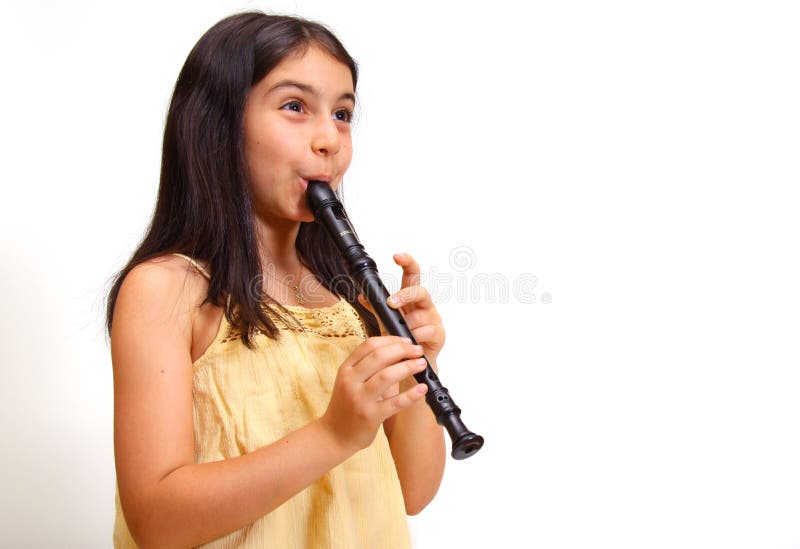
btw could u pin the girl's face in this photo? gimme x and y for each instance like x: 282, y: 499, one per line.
x: 297, y: 128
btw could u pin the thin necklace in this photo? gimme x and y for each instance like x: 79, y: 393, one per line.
x: 298, y: 295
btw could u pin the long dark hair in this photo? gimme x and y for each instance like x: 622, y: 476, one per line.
x: 204, y: 207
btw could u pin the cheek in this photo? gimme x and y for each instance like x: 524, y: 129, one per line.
x: 265, y: 139
x: 264, y: 153
x: 346, y: 154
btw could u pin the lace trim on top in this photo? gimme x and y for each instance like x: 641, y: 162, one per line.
x: 338, y: 320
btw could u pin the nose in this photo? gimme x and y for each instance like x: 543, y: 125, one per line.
x: 326, y: 140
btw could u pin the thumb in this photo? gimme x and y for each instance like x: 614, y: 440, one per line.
x: 366, y: 304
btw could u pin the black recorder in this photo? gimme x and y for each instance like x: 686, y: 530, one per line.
x: 329, y: 212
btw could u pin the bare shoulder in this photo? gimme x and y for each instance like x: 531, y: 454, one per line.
x: 166, y: 280
x: 166, y: 272
x: 159, y: 297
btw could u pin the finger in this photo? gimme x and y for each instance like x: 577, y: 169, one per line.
x: 390, y: 376
x: 410, y: 269
x: 420, y: 317
x: 382, y: 356
x: 412, y: 295
x: 430, y: 333
x: 369, y: 307
x: 402, y: 401
x: 371, y: 344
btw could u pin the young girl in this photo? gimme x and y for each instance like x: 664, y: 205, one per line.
x: 250, y: 407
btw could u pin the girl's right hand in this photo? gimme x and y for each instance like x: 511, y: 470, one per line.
x: 357, y: 407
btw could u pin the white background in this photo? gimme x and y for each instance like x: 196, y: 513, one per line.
x: 639, y: 159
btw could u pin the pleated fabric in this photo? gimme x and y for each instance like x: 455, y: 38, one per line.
x: 245, y: 399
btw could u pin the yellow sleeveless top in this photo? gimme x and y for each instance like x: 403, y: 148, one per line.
x: 244, y: 399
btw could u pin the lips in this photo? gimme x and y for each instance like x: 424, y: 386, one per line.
x: 320, y: 177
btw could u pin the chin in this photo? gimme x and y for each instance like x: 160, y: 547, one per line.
x: 306, y: 216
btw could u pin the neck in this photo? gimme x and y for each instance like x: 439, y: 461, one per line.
x: 277, y: 243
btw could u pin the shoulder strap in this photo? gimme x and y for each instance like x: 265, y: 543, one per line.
x: 194, y: 264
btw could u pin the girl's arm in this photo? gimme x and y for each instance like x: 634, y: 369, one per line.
x: 416, y: 440
x: 167, y: 499
x: 418, y: 449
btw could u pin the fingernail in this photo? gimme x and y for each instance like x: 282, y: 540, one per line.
x: 394, y: 300
x: 418, y: 348
x: 422, y: 389
x: 421, y: 361
x: 407, y: 339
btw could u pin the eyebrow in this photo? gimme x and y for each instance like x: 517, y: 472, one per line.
x: 308, y: 89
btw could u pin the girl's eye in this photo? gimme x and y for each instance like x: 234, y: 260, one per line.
x: 343, y: 115
x: 295, y: 106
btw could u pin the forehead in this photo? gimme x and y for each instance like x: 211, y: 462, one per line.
x: 313, y: 66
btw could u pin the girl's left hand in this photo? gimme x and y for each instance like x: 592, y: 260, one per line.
x: 418, y: 309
